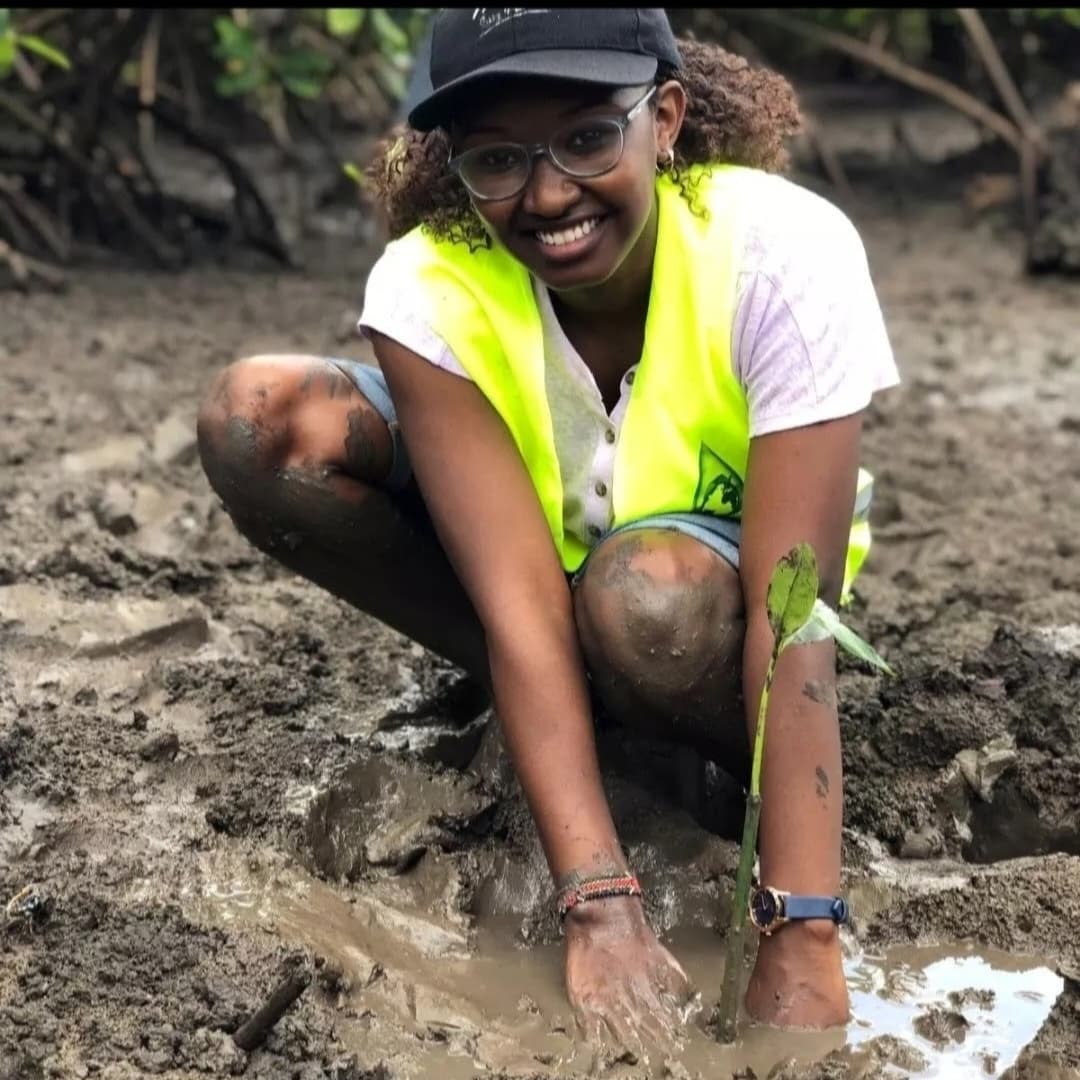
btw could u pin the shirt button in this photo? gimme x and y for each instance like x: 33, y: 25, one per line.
x: 609, y: 436
x: 630, y: 378
x: 601, y: 488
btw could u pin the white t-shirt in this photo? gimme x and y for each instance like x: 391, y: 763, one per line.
x: 808, y: 341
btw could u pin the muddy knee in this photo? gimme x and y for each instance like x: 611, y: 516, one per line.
x: 660, y: 615
x: 242, y: 426
x: 268, y: 416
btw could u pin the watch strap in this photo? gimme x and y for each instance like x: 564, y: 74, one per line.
x: 833, y: 908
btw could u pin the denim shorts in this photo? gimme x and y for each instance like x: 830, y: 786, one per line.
x: 719, y: 534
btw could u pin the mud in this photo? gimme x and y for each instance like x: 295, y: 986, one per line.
x: 215, y: 772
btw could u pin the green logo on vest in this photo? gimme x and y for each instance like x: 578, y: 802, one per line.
x: 719, y: 487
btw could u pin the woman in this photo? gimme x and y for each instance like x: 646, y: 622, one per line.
x: 630, y: 368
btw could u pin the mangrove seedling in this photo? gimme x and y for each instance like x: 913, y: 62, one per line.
x: 797, y: 616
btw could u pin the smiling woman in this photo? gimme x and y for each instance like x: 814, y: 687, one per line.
x: 735, y: 113
x: 622, y: 370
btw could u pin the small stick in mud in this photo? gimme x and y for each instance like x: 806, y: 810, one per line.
x: 251, y: 1035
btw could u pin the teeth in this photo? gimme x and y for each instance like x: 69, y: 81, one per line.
x: 568, y: 236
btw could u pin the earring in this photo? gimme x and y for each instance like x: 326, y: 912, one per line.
x: 667, y: 162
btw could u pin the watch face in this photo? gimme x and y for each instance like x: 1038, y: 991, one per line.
x: 764, y: 907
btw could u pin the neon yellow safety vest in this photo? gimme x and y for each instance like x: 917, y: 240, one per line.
x: 685, y: 436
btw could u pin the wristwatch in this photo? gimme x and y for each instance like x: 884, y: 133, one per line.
x: 770, y: 908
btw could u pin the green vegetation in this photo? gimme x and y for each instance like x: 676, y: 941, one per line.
x: 84, y: 93
x: 265, y: 61
x: 12, y: 44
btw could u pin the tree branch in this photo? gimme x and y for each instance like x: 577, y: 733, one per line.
x: 1034, y: 144
x: 999, y: 75
x: 903, y: 72
x: 37, y: 217
x: 244, y: 187
x: 148, y: 77
x: 23, y: 268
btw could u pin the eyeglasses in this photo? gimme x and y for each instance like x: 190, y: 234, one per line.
x: 583, y: 149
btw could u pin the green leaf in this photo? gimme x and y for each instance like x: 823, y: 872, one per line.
x: 816, y: 628
x: 857, y: 18
x: 354, y: 173
x: 793, y: 588
x: 7, y: 53
x: 5, y: 20
x: 344, y: 22
x: 233, y: 41
x: 32, y: 43
x: 825, y: 623
x: 304, y: 63
x: 302, y: 86
x: 241, y: 82
x: 387, y: 31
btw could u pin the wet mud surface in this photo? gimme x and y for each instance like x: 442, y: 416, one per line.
x: 216, y: 773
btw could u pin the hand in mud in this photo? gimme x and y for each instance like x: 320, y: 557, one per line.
x: 625, y: 987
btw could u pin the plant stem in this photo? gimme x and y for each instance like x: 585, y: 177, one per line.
x: 759, y: 733
x: 729, y: 993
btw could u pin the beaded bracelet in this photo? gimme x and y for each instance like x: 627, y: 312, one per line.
x: 597, y: 889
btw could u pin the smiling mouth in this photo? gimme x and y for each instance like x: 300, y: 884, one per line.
x: 564, y: 237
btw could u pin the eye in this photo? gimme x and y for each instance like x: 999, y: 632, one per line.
x: 494, y: 159
x: 583, y: 139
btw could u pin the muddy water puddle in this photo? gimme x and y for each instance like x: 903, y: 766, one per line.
x: 968, y: 1011
x: 443, y: 1001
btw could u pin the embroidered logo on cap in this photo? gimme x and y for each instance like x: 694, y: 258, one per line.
x: 492, y: 18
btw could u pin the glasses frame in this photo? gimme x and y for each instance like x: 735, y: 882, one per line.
x: 543, y: 149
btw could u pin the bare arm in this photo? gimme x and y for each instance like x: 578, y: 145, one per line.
x: 492, y: 527
x: 800, y: 486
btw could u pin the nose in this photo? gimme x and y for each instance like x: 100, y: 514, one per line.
x: 549, y: 192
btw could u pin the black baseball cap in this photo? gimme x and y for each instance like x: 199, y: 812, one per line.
x: 605, y: 46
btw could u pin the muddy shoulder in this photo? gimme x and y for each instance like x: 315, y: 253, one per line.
x: 212, y: 774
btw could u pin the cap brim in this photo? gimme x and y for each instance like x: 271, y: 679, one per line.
x: 604, y: 67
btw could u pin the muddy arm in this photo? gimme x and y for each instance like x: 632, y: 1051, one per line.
x: 490, y: 522
x: 800, y: 487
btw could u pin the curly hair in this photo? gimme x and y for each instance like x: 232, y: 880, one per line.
x: 735, y: 114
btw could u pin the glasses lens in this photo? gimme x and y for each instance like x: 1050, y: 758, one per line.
x: 495, y: 172
x: 588, y: 148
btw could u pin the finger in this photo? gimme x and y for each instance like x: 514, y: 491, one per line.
x: 676, y: 999
x: 675, y: 976
x: 641, y: 1020
x: 621, y: 1029
x: 594, y: 1027
x: 672, y: 982
x: 679, y: 1009
x: 616, y: 1043
x: 587, y: 1023
x: 673, y: 991
x: 658, y: 1022
x: 624, y: 1025
x: 597, y: 1040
